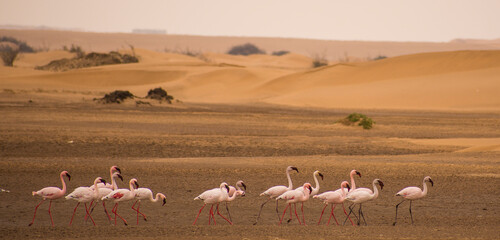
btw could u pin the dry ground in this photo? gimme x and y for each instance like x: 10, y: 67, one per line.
x: 185, y: 149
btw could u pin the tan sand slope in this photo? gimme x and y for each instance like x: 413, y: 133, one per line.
x: 462, y: 80
x: 333, y: 50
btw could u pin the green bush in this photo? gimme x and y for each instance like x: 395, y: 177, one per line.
x: 245, y: 49
x: 361, y: 119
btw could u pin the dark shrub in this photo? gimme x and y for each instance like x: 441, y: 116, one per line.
x: 280, y: 53
x: 159, y: 94
x: 8, y: 55
x: 245, y: 49
x: 23, y: 47
x: 117, y: 96
x: 361, y: 119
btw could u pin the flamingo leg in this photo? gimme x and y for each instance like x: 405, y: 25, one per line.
x: 50, y: 213
x: 361, y: 215
x: 288, y: 205
x: 348, y: 214
x: 303, y: 215
x: 87, y: 210
x: 319, y: 221
x: 333, y: 214
x: 116, y: 214
x: 139, y: 211
x: 35, y: 212
x: 228, y: 213
x: 277, y: 213
x: 260, y: 211
x: 291, y: 217
x: 328, y: 223
x: 218, y: 213
x: 295, y: 207
x: 396, y: 219
x: 74, y: 211
x: 411, y: 214
x: 133, y: 205
x: 212, y: 215
x: 199, y: 214
x: 343, y: 207
x: 106, y: 211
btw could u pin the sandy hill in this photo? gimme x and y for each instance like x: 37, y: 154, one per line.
x: 333, y: 50
x: 450, y: 80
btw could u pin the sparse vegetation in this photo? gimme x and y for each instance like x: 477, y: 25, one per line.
x: 379, y: 57
x: 360, y: 119
x: 159, y: 94
x: 280, y: 53
x: 23, y: 47
x: 89, y: 60
x: 75, y: 49
x: 117, y: 96
x: 245, y: 49
x: 8, y: 54
x: 319, y: 61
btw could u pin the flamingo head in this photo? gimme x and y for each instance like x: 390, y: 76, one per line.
x: 428, y: 179
x: 224, y: 185
x: 118, y: 175
x: 240, y: 183
x: 346, y: 184
x: 133, y: 182
x: 100, y: 179
x: 241, y: 193
x: 65, y: 173
x: 115, y: 168
x: 308, y: 186
x: 357, y: 173
x: 380, y: 183
x: 291, y: 168
x: 164, y: 201
x: 321, y: 175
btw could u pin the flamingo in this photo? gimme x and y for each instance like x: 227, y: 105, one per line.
x: 122, y: 195
x: 295, y: 196
x: 107, y: 185
x: 334, y: 198
x: 51, y: 193
x: 85, y: 195
x: 353, y: 183
x: 315, y: 190
x: 412, y: 193
x: 146, y: 194
x: 276, y: 191
x: 213, y: 196
x: 232, y: 190
x: 104, y: 191
x: 359, y: 196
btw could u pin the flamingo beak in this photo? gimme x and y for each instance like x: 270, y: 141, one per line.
x: 136, y: 184
x: 118, y: 169
x: 103, y: 181
x: 120, y: 177
x: 432, y: 183
x: 358, y: 173
x: 321, y: 175
x: 294, y: 168
x: 227, y: 187
x: 381, y: 184
x: 164, y: 202
x: 244, y: 186
x: 310, y: 189
x: 348, y: 187
x: 69, y: 177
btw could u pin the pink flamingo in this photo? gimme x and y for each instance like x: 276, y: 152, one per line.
x: 104, y: 191
x: 122, y: 195
x: 85, y: 195
x: 51, y: 193
x: 232, y: 190
x: 334, y: 198
x: 412, y: 193
x: 295, y: 196
x: 146, y: 194
x: 276, y: 191
x: 359, y: 196
x: 107, y: 185
x: 315, y: 190
x: 213, y: 196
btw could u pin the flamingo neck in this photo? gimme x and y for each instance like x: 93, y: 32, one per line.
x: 63, y: 184
x: 424, y: 192
x: 157, y: 197
x: 113, y: 183
x: 96, y: 189
x: 316, y: 189
x: 342, y: 190
x: 231, y: 198
x: 353, y: 184
x: 375, y: 191
x: 290, y: 185
x: 131, y: 185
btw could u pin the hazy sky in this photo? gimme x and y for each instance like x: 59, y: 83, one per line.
x: 395, y: 20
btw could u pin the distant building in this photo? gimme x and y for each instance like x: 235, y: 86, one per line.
x: 149, y: 31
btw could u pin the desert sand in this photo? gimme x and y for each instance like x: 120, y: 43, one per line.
x: 437, y: 114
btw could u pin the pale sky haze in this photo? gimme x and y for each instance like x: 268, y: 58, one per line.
x: 369, y: 20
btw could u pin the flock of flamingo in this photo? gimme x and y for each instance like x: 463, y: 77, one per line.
x: 102, y: 191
